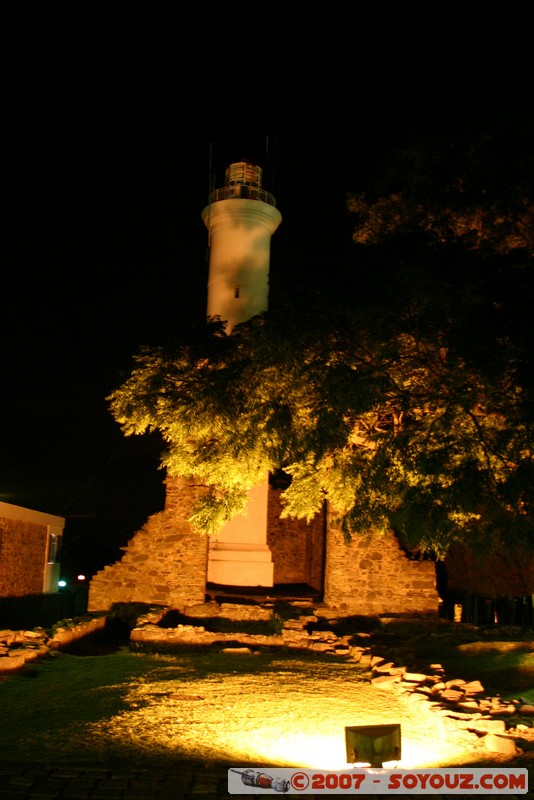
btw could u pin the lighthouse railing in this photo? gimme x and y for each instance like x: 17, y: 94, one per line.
x: 243, y: 192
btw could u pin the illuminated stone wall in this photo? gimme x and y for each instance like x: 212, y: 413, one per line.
x: 22, y: 557
x: 297, y: 547
x: 164, y: 563
x: 372, y: 575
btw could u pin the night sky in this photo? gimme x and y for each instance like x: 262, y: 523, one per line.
x: 116, y: 118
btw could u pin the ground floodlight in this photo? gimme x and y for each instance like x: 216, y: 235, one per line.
x: 373, y: 744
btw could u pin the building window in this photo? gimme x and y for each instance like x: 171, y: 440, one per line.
x: 54, y: 546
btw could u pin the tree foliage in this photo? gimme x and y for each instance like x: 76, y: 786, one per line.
x: 404, y: 397
x: 477, y: 192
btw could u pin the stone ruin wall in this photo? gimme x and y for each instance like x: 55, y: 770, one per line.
x: 22, y: 557
x: 297, y: 547
x: 164, y: 563
x: 370, y: 576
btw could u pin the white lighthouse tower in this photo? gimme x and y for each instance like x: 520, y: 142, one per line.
x: 241, y: 218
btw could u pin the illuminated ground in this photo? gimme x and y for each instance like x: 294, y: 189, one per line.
x: 270, y: 709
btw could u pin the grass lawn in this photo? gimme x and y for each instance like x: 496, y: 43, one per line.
x: 45, y: 707
x: 194, y: 706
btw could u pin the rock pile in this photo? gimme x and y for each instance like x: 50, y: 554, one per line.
x: 462, y: 704
x: 295, y: 633
x: 18, y: 648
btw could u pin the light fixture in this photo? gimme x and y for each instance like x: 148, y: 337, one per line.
x: 373, y: 744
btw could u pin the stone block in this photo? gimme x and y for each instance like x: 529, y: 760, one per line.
x: 30, y: 655
x: 320, y: 647
x: 294, y: 625
x: 488, y: 725
x: 455, y: 683
x: 504, y: 745
x: 451, y: 695
x: 385, y: 681
x: 203, y: 610
x: 473, y: 687
x: 468, y: 705
x: 11, y: 663
x: 383, y: 669
x: 415, y: 677
x: 503, y: 710
x: 238, y: 611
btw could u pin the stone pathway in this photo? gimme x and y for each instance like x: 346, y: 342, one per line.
x: 80, y: 782
x: 74, y: 782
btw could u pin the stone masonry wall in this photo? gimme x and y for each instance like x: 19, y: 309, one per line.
x: 371, y: 575
x: 22, y: 557
x: 297, y: 547
x: 163, y: 564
